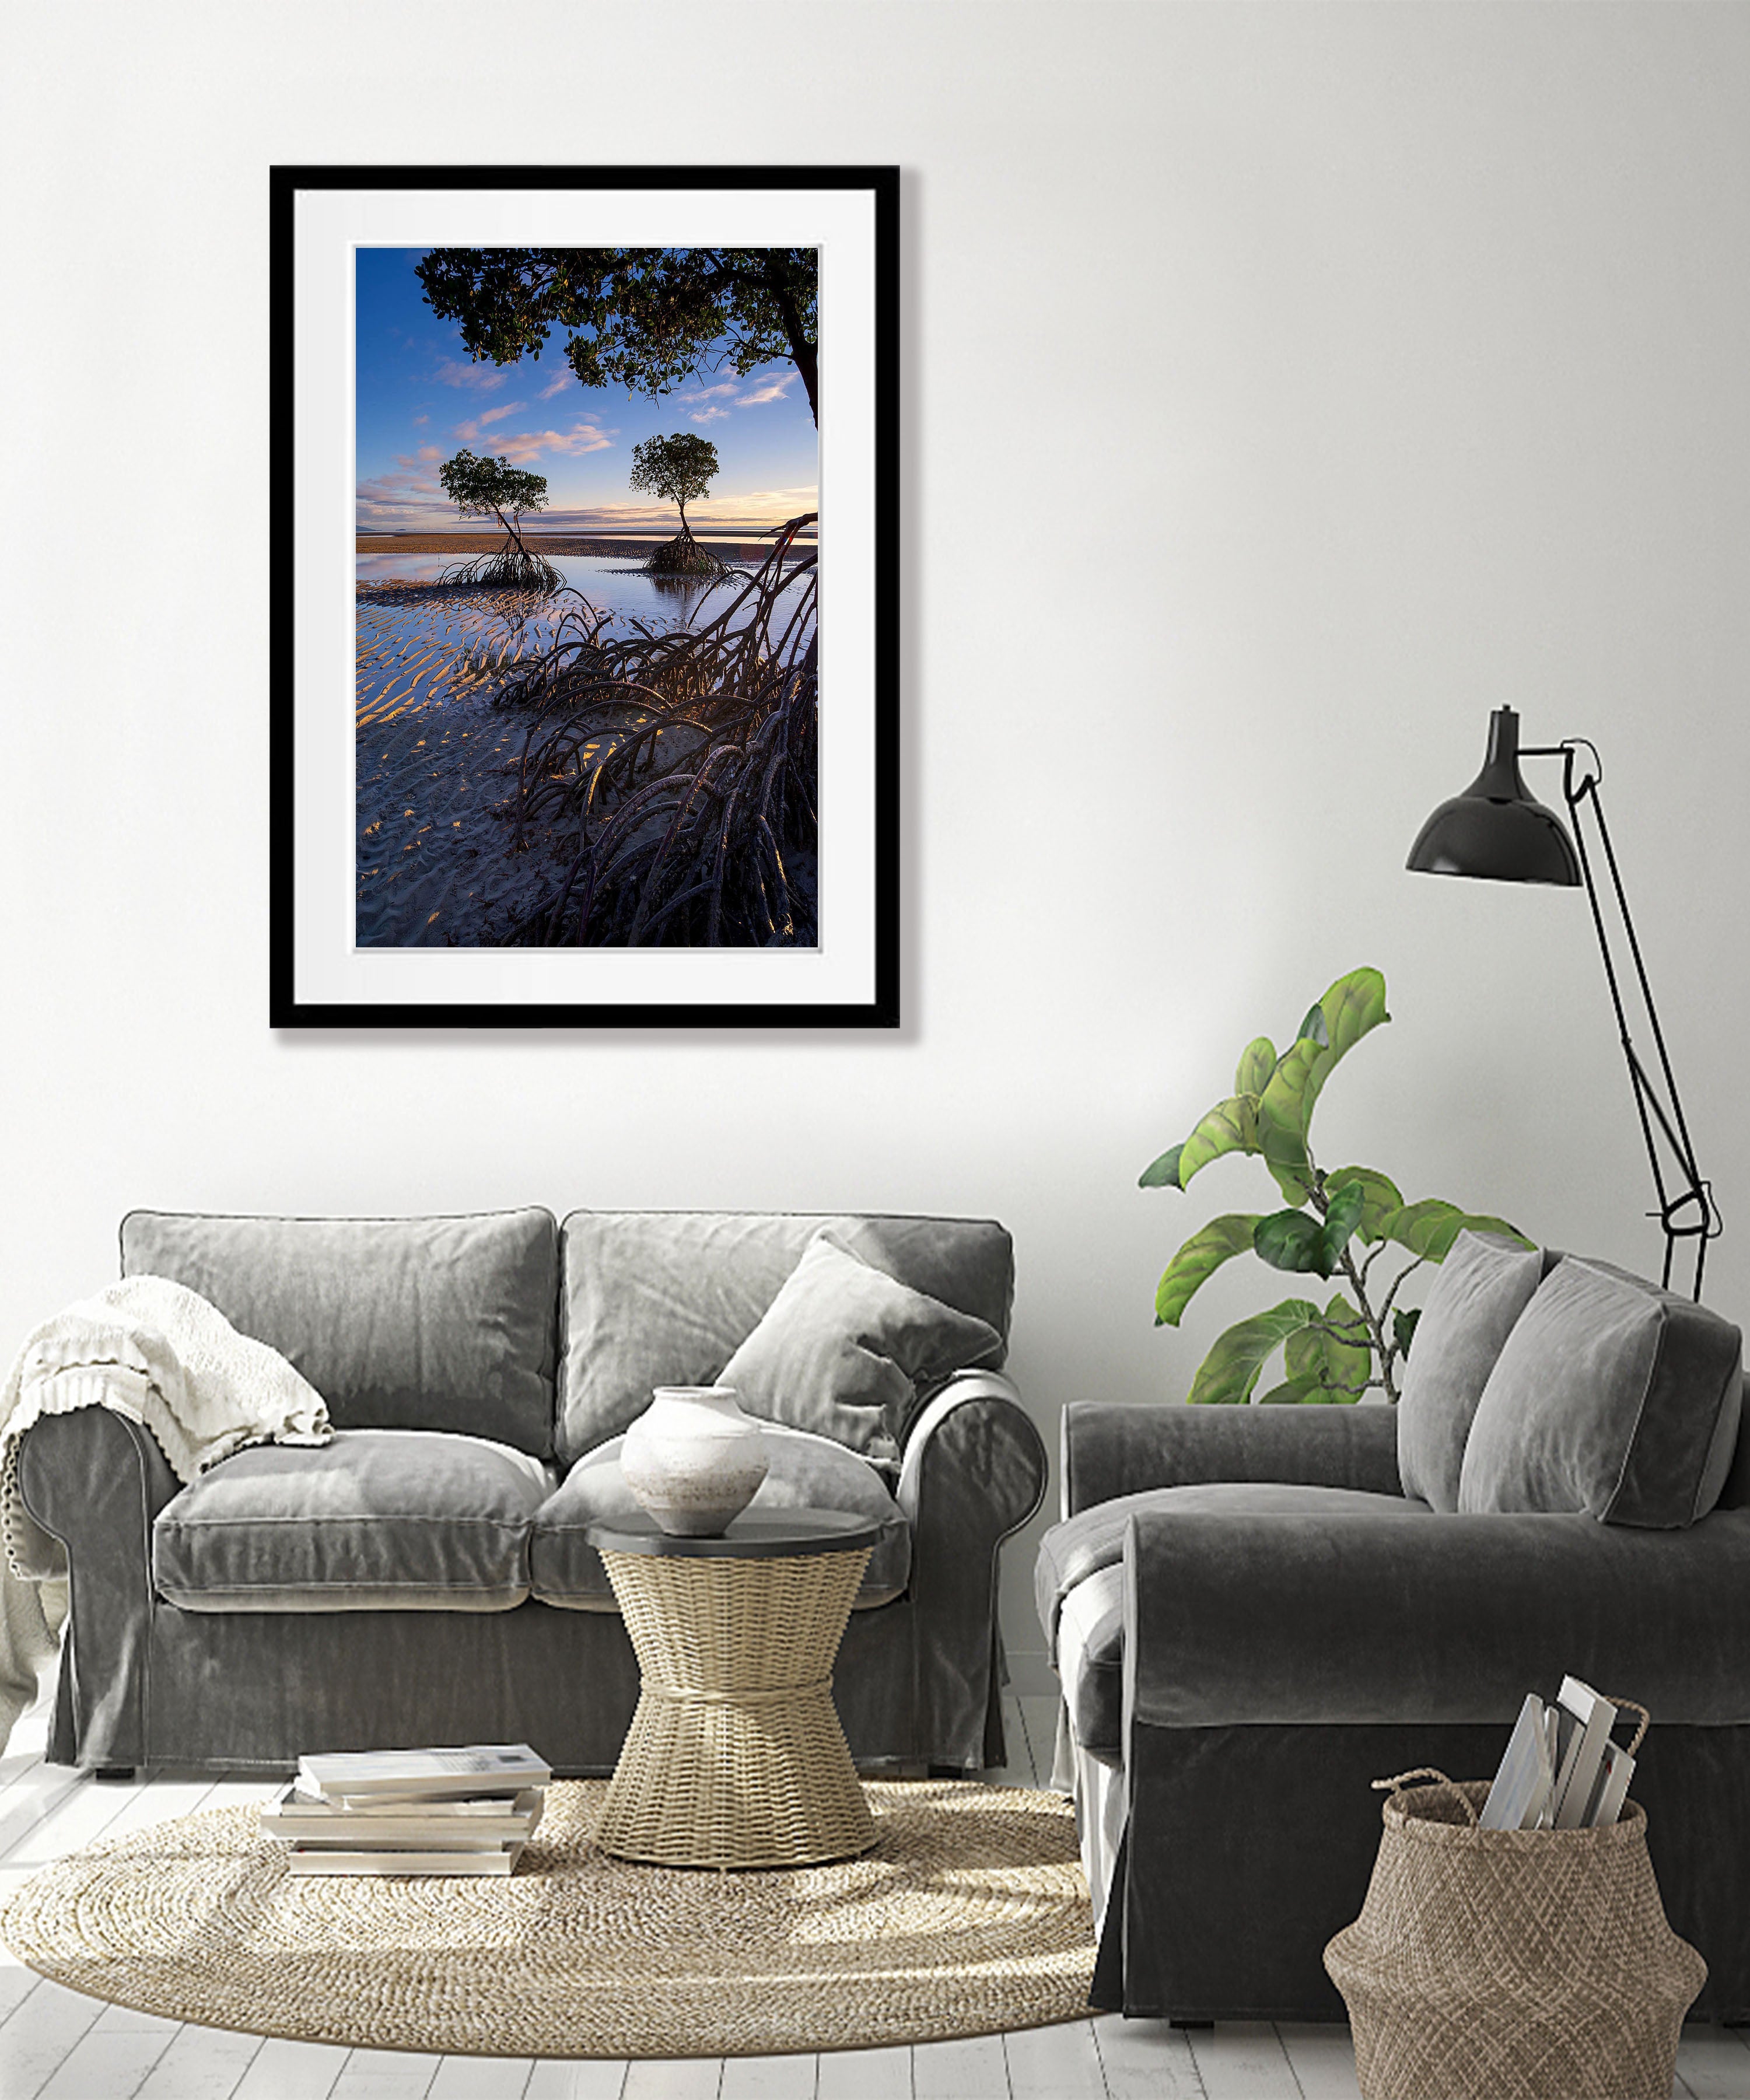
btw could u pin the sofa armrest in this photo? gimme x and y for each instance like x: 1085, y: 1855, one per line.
x: 1111, y: 1449
x: 95, y: 1479
x: 1289, y: 1620
x: 974, y: 1471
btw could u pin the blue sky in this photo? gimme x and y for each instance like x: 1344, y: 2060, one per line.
x: 421, y: 400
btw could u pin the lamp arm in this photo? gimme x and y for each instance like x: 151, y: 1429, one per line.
x: 1691, y: 1213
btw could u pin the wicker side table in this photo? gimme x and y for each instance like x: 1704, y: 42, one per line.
x: 735, y: 1756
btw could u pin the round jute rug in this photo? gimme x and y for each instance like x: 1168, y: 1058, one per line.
x: 970, y: 1915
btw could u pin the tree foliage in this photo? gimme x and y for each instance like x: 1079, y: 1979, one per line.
x: 492, y: 487
x: 643, y: 317
x: 1356, y: 1343
x: 679, y: 467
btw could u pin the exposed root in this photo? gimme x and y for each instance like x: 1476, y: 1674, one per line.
x: 683, y: 556
x: 509, y: 568
x: 682, y: 765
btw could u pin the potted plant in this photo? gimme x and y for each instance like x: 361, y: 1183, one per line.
x: 1337, y: 1223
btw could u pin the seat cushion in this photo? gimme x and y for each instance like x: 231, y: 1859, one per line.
x: 1081, y: 1546
x: 399, y: 1323
x: 654, y: 1298
x: 843, y: 1350
x: 1610, y: 1397
x: 806, y: 1472
x: 380, y: 1520
x: 1091, y: 1663
x: 1481, y: 1289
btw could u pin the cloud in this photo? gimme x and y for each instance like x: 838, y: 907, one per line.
x: 458, y: 372
x: 422, y: 419
x: 556, y: 385
x: 770, y: 389
x: 711, y: 415
x: 402, y: 498
x: 425, y: 456
x: 470, y: 431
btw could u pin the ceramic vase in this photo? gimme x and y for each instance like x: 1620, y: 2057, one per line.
x: 694, y: 1460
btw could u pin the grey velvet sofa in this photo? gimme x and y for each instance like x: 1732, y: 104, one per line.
x: 424, y: 1578
x: 1252, y: 1620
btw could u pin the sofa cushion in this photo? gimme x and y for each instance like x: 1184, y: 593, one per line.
x: 1480, y: 1289
x: 654, y: 1298
x: 399, y: 1323
x: 400, y: 1520
x: 806, y: 1472
x: 1091, y: 1663
x: 843, y: 1350
x: 1081, y: 1545
x: 1612, y: 1398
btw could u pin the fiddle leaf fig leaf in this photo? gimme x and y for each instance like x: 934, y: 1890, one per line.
x: 1429, y: 1227
x: 1290, y: 1392
x: 1380, y: 1197
x: 1230, y: 1125
x: 1228, y: 1372
x: 1334, y: 1355
x: 1341, y: 1218
x: 1258, y: 1060
x: 1403, y: 1329
x: 1291, y: 1240
x: 1353, y: 1008
x: 1197, y: 1260
x: 1162, y: 1173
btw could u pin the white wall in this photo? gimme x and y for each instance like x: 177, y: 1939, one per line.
x: 1285, y: 386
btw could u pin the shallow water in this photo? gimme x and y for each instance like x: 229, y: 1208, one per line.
x: 437, y: 765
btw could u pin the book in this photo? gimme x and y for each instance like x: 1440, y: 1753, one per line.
x: 471, y: 1771
x: 1613, y: 1785
x: 1587, y: 1721
x: 323, y: 1859
x: 1520, y: 1798
x: 471, y: 1824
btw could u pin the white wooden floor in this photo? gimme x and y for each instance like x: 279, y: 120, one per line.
x: 56, y: 2044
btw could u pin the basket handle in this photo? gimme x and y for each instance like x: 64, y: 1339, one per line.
x: 1394, y: 1787
x: 1633, y: 1706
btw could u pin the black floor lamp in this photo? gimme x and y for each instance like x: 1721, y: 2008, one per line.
x: 1497, y: 830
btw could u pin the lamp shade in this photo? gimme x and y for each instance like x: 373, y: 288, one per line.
x: 1497, y: 829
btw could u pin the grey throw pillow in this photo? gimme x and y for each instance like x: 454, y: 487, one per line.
x: 1612, y: 1398
x: 1484, y: 1284
x: 842, y: 1348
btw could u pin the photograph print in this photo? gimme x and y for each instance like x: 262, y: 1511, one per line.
x: 586, y: 699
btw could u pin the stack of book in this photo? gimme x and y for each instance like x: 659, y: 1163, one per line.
x: 446, y: 1812
x: 1561, y: 1771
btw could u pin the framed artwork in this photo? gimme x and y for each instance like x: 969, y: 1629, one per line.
x: 584, y: 561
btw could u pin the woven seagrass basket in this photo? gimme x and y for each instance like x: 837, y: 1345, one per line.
x: 1517, y: 1964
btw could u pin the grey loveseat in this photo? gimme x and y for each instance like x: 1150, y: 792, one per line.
x: 1256, y: 1611
x: 424, y: 1578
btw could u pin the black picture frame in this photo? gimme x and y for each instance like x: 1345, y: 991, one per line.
x: 317, y: 979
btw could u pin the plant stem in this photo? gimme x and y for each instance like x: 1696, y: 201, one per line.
x: 1384, y: 1352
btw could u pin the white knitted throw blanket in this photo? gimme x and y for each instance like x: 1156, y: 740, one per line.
x: 155, y: 1352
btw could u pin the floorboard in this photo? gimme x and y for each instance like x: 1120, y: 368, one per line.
x: 1054, y: 2063
x: 292, y: 2070
x: 57, y: 2045
x: 1145, y: 2059
x: 598, y: 2079
x: 972, y: 2070
x: 768, y: 2078
x: 863, y: 2074
x: 1243, y: 2060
